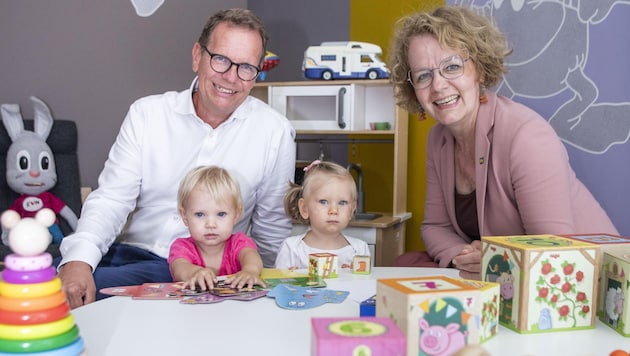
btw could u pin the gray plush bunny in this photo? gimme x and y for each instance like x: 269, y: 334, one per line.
x: 31, y: 169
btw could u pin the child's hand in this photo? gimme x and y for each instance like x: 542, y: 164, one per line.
x: 203, y: 278
x: 244, y: 279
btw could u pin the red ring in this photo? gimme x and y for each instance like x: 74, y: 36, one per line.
x: 27, y: 277
x: 32, y: 304
x: 35, y: 317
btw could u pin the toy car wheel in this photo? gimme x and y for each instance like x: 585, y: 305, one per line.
x: 372, y: 74
x: 327, y: 75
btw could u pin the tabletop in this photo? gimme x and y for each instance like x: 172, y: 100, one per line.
x: 124, y: 326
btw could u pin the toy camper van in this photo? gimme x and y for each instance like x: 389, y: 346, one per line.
x: 344, y: 60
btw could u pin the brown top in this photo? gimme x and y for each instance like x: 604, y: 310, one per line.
x: 466, y: 214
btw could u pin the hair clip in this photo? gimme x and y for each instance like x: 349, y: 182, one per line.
x: 314, y: 163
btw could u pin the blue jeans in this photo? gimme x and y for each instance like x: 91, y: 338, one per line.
x: 126, y: 265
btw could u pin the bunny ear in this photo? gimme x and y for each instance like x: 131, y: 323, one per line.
x: 12, y: 120
x: 43, y: 118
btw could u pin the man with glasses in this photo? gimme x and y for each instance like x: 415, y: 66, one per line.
x: 128, y: 223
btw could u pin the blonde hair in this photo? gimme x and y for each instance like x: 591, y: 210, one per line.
x: 455, y: 27
x: 215, y: 180
x: 296, y: 191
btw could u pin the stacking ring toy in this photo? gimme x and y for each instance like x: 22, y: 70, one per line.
x: 32, y: 290
x: 24, y: 277
x: 32, y: 304
x: 75, y: 348
x: 28, y: 263
x: 37, y: 345
x: 34, y: 317
x: 27, y: 332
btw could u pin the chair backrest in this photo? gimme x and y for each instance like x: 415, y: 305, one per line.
x: 63, y: 143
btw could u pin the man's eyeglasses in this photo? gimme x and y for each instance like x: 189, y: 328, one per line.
x: 221, y: 64
x: 449, y: 68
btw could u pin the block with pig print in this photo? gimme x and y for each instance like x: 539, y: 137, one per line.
x: 439, y: 315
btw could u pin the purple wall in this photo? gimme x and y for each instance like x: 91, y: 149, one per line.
x: 570, y: 65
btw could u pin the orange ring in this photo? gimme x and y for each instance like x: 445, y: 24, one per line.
x: 34, y: 317
x: 32, y: 304
x: 32, y: 290
x: 26, y: 332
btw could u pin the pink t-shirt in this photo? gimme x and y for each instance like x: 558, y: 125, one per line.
x: 186, y: 248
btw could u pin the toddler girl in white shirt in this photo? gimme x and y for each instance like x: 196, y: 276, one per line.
x: 327, y: 201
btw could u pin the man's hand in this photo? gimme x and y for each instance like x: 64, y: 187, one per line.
x: 78, y: 283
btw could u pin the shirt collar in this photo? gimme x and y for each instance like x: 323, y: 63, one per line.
x: 185, y: 105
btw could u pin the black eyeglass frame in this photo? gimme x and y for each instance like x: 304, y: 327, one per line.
x: 232, y: 63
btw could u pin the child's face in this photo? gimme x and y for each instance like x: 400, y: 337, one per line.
x: 210, y: 221
x: 329, y: 204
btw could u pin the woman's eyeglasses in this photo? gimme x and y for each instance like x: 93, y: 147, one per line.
x: 449, y: 68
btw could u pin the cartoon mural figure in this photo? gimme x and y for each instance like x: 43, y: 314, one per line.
x: 613, y: 305
x: 549, y: 62
x: 443, y: 328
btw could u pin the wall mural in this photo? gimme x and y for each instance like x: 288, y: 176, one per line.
x: 146, y: 8
x: 570, y: 64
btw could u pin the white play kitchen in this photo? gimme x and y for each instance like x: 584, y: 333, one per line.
x: 356, y: 124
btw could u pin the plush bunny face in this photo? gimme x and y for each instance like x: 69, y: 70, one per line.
x: 30, y: 165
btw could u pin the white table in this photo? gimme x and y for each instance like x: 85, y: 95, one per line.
x: 122, y: 326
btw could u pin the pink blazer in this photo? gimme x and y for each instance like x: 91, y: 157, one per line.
x: 525, y: 184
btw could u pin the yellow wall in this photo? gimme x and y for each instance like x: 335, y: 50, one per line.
x: 373, y: 21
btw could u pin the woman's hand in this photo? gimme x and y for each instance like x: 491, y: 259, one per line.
x: 468, y: 262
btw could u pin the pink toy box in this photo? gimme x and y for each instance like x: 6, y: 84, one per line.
x: 548, y: 282
x: 613, y: 307
x: 439, y: 315
x: 356, y: 336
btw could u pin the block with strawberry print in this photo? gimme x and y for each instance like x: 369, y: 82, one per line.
x: 606, y: 243
x: 613, y: 307
x: 548, y: 282
x: 439, y: 315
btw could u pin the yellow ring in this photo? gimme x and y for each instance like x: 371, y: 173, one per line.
x: 32, y: 304
x: 32, y: 290
x: 25, y: 332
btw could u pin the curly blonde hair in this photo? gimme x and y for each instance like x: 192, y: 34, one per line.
x: 454, y: 27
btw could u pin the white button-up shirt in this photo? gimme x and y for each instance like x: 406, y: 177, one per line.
x: 160, y: 140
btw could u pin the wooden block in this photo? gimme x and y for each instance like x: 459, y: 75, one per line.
x: 548, y: 282
x: 439, y: 315
x: 356, y: 336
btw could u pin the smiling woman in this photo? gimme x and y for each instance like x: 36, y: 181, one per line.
x: 494, y: 167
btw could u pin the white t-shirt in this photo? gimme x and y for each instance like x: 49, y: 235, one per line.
x: 294, y: 252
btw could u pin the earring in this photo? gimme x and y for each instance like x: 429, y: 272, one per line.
x: 422, y: 115
x: 483, y: 98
